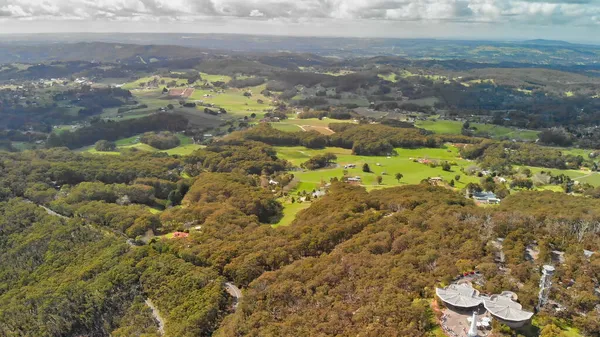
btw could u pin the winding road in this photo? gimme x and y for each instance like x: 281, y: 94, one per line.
x: 157, y: 317
x: 51, y: 212
x: 235, y: 292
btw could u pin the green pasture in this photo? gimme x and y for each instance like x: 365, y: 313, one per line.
x: 286, y: 127
x: 404, y: 163
x: 187, y: 146
x: 183, y: 150
x: 391, y: 77
x: 136, y: 84
x: 290, y: 210
x: 495, y: 131
x: 234, y: 101
x: 215, y: 78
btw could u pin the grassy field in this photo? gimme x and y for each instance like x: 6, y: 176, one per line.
x: 296, y: 124
x: 403, y: 163
x: 289, y: 212
x: 386, y: 167
x: 136, y: 84
x: 391, y: 77
x: 185, y: 148
x: 234, y: 101
x: 286, y: 127
x: 495, y: 131
x: 215, y: 78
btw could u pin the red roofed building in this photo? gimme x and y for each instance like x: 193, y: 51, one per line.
x: 178, y: 235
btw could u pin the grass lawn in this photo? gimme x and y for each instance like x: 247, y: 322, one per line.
x: 391, y: 77
x: 62, y: 128
x: 136, y: 84
x: 297, y: 124
x: 286, y: 127
x: 495, y: 131
x: 154, y: 210
x: 289, y: 212
x: 234, y: 101
x: 215, y: 78
x: 91, y: 149
x: 128, y: 141
x: 22, y: 146
x: 184, y: 150
x: 187, y: 147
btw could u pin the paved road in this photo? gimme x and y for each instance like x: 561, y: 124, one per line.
x: 157, y: 317
x: 51, y: 212
x: 235, y: 292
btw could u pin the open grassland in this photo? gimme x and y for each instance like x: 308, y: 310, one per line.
x: 296, y: 124
x: 137, y: 84
x: 495, y: 131
x: 391, y: 77
x: 234, y: 101
x: 286, y: 127
x: 290, y: 211
x: 404, y: 163
x: 185, y: 148
x: 215, y: 78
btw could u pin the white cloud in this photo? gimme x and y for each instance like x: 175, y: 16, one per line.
x: 501, y: 11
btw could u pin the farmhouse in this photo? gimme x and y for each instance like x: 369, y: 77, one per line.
x: 318, y: 194
x: 435, y: 180
x: 179, y: 235
x: 486, y: 198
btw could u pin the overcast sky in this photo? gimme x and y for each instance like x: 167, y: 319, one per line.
x: 573, y: 20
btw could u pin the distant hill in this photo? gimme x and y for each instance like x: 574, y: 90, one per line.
x: 144, y: 47
x: 548, y: 42
x: 92, y: 51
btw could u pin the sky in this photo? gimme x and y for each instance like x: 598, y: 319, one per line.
x: 571, y: 20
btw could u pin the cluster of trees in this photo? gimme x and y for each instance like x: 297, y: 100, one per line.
x: 267, y: 134
x: 112, y: 130
x: 499, y: 156
x: 247, y: 82
x: 79, y: 280
x: 234, y: 156
x: 235, y: 190
x: 161, y: 140
x: 363, y: 139
x: 377, y: 139
x: 319, y: 161
x: 93, y: 100
x: 105, y: 146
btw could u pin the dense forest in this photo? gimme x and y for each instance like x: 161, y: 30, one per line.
x: 353, y: 262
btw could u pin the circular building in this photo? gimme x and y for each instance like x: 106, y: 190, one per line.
x: 459, y: 297
x: 507, y: 311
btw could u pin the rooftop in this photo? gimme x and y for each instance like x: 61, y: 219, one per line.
x: 484, y: 195
x: 459, y: 295
x: 505, y: 308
